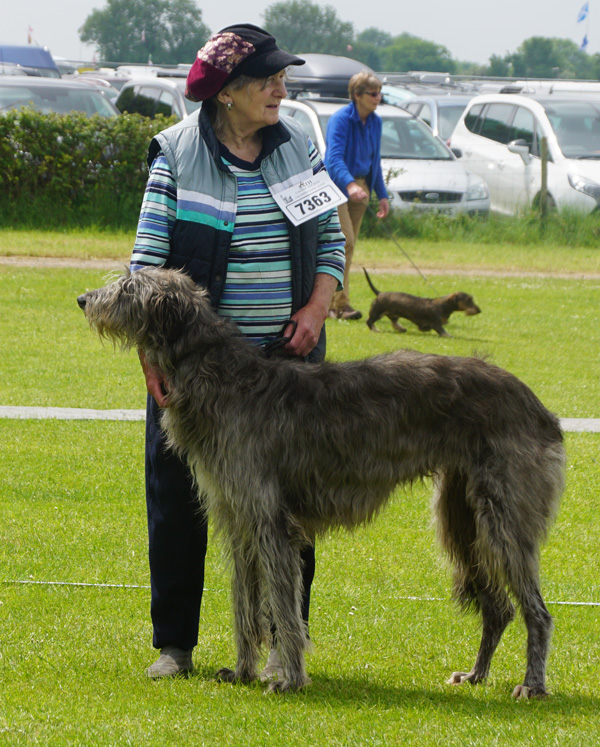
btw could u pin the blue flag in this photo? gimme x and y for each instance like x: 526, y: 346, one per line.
x: 584, y: 43
x: 583, y: 12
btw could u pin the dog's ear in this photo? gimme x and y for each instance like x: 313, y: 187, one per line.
x: 167, y: 317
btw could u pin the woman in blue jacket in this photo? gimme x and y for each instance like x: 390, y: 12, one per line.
x: 353, y: 160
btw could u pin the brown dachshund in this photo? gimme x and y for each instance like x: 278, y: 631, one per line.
x: 426, y: 313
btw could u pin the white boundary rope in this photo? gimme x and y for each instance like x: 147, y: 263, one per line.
x: 26, y: 582
x: 571, y: 425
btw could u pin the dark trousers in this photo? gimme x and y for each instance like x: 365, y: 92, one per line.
x: 177, y: 533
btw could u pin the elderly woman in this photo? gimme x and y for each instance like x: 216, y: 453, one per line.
x: 211, y: 208
x: 353, y: 159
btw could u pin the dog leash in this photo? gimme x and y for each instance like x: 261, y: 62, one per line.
x: 277, y: 343
x: 393, y: 238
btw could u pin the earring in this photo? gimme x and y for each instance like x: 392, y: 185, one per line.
x: 229, y: 106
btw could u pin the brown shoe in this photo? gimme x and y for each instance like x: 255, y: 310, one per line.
x: 349, y: 313
x: 172, y: 662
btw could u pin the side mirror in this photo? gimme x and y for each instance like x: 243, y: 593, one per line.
x: 521, y: 148
x: 457, y: 152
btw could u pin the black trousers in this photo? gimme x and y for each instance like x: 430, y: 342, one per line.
x: 177, y: 533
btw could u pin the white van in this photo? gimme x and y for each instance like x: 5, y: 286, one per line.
x: 499, y: 137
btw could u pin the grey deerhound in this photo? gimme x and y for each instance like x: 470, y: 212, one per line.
x: 281, y: 451
x: 426, y: 313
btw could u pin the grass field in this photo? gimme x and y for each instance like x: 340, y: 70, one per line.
x: 72, y: 653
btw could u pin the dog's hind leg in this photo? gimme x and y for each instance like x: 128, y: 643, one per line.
x: 539, y: 629
x: 510, y: 520
x: 497, y: 612
x: 473, y: 586
x: 249, y: 621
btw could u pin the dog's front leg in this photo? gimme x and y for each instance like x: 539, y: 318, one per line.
x: 248, y: 618
x: 279, y: 556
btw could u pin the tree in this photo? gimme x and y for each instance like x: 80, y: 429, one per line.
x: 307, y: 27
x: 368, y: 45
x: 408, y: 52
x: 542, y: 57
x: 164, y: 31
x: 376, y: 37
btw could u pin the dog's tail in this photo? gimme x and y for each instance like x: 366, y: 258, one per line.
x: 373, y: 288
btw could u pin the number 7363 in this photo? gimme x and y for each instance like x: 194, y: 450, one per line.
x: 309, y: 204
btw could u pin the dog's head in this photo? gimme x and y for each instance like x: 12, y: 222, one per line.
x: 151, y: 308
x: 465, y: 302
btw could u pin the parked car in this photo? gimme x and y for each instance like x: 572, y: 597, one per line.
x: 420, y: 170
x: 38, y: 58
x: 499, y: 137
x: 151, y: 95
x: 90, y: 80
x: 440, y: 111
x: 49, y: 95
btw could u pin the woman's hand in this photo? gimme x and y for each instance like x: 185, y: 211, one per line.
x: 310, y: 318
x: 156, y: 384
x: 356, y: 193
x: 384, y: 208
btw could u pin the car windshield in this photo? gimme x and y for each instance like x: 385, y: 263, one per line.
x: 403, y: 137
x: 577, y: 127
x: 59, y: 99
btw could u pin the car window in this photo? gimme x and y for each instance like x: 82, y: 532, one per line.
x: 524, y: 128
x: 59, y: 99
x: 137, y: 100
x: 473, y: 119
x: 414, y: 108
x: 191, y: 106
x: 448, y: 116
x: 497, y: 123
x: 426, y: 115
x: 577, y: 128
x: 304, y: 121
x: 165, y: 104
x: 410, y: 138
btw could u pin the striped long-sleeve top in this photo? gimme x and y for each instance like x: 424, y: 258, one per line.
x: 258, y: 294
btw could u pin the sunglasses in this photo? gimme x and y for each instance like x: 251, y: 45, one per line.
x: 374, y: 94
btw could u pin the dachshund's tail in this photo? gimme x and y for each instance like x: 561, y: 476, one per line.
x: 373, y: 288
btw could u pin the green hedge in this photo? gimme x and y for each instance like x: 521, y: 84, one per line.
x: 59, y: 171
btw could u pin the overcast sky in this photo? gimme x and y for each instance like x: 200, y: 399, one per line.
x: 472, y: 30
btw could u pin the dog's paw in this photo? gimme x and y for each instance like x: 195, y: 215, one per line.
x: 522, y: 692
x: 286, y: 686
x: 459, y: 678
x: 226, y: 675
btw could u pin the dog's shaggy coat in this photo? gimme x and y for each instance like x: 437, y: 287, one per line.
x: 282, y: 451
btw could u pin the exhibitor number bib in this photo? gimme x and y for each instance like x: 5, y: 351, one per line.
x: 309, y: 198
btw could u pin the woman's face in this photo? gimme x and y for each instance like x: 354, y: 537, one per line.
x: 369, y: 100
x: 257, y: 105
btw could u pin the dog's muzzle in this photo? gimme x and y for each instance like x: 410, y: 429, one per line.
x: 81, y: 301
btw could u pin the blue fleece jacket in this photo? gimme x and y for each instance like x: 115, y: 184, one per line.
x: 354, y: 150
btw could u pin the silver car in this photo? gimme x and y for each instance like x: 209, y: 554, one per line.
x: 421, y: 173
x: 53, y: 95
x: 151, y: 95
